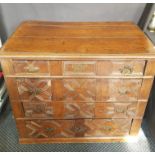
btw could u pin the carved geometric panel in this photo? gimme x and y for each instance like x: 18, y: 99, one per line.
x: 31, y: 89
x: 38, y: 109
x: 108, y: 127
x: 118, y: 90
x: 50, y: 128
x: 77, y: 128
x: 74, y: 90
x: 78, y: 110
x: 115, y: 110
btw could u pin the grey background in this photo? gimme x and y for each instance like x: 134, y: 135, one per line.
x: 12, y: 14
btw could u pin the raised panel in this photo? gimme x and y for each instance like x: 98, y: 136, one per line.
x: 33, y: 89
x: 74, y: 90
x: 118, y: 68
x: 79, y: 68
x: 108, y: 127
x: 38, y: 109
x: 118, y: 90
x: 30, y: 67
x: 49, y: 128
x: 78, y: 110
x: 115, y: 110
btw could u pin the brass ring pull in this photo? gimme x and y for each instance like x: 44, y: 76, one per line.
x: 31, y: 69
x: 126, y: 70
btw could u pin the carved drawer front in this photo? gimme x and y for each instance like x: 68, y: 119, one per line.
x: 115, y: 110
x: 32, y: 89
x: 30, y: 67
x: 79, y: 68
x: 107, y: 127
x: 74, y: 90
x: 78, y: 110
x: 119, y: 67
x: 49, y: 128
x: 38, y: 109
x: 76, y: 128
x: 58, y: 110
x: 118, y: 90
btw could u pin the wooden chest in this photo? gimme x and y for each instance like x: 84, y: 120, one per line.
x: 78, y: 82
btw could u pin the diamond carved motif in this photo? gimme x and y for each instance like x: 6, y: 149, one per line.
x: 34, y: 89
x: 79, y: 89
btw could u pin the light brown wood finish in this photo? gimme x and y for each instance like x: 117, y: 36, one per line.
x: 78, y: 82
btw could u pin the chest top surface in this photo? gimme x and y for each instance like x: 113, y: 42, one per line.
x: 37, y: 38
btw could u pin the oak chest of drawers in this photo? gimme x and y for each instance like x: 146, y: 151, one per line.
x: 78, y: 82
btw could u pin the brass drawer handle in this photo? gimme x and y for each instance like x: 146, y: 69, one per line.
x: 107, y: 128
x: 119, y: 110
x: 31, y: 69
x: 126, y: 70
x: 122, y: 91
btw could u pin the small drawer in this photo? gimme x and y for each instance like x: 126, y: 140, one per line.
x: 115, y: 110
x: 73, y: 128
x: 120, y: 68
x: 30, y: 67
x: 79, y: 68
x: 113, y: 90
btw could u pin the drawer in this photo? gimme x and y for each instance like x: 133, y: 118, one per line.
x: 33, y: 89
x: 30, y: 67
x: 115, y: 110
x: 120, y: 68
x: 74, y: 128
x: 113, y: 90
x: 58, y: 110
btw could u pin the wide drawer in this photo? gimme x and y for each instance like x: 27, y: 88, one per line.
x: 30, y: 67
x: 79, y: 90
x: 73, y: 128
x: 79, y: 68
x: 72, y: 110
